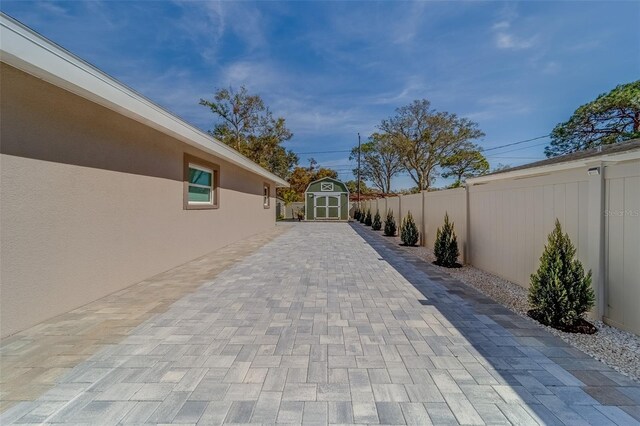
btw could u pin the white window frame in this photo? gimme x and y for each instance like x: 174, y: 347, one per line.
x: 326, y: 186
x: 266, y: 195
x: 211, y: 191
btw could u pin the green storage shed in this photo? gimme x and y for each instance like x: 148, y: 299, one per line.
x: 326, y: 199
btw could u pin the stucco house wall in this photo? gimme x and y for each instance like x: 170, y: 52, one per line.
x: 92, y: 202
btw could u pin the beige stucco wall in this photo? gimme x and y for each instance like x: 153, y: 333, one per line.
x: 92, y: 202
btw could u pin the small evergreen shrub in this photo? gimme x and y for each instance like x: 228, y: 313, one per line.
x: 356, y: 214
x: 390, y: 225
x: 560, y: 292
x: 376, y: 225
x: 362, y: 216
x: 446, y: 246
x: 409, y: 231
x: 367, y: 219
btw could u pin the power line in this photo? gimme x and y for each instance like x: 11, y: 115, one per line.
x: 321, y: 152
x: 513, y: 158
x: 516, y: 143
x: 484, y: 150
x: 521, y: 148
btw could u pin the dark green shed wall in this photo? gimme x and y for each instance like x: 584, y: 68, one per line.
x: 315, y: 187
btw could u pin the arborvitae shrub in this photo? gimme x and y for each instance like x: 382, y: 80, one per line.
x: 560, y: 292
x: 409, y: 231
x: 390, y: 225
x: 362, y: 215
x: 446, y: 246
x: 367, y: 219
x: 356, y: 214
x: 376, y: 225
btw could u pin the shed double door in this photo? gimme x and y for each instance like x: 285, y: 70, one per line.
x: 327, y: 207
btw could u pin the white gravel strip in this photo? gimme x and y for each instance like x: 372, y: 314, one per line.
x: 616, y: 348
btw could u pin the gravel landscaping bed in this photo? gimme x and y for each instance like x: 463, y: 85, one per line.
x: 618, y: 349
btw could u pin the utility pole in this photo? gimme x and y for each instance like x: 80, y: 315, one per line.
x: 358, y: 171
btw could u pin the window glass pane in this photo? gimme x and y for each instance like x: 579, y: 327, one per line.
x: 200, y: 195
x: 199, y: 177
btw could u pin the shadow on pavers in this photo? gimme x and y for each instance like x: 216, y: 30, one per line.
x: 528, y: 358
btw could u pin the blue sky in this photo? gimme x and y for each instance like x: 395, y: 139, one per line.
x: 334, y: 69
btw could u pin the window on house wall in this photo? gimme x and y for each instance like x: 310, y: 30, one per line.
x: 326, y: 186
x: 200, y: 184
x: 266, y: 195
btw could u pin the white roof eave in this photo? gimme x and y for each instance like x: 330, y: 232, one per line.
x: 566, y: 165
x: 28, y: 51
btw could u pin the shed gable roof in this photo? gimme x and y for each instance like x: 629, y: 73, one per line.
x: 329, y: 179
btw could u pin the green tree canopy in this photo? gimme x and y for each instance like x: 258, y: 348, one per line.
x: 352, y: 185
x: 301, y: 177
x: 500, y: 167
x: 464, y: 163
x: 289, y: 196
x: 425, y: 137
x: 611, y: 118
x: 246, y: 124
x: 380, y: 161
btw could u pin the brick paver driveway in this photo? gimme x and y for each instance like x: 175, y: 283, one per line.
x: 324, y: 326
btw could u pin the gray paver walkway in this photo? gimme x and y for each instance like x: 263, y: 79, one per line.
x: 323, y: 325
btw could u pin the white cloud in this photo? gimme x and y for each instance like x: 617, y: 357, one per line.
x: 496, y: 107
x: 258, y: 76
x: 308, y: 115
x: 53, y: 9
x: 551, y: 67
x: 203, y: 24
x: 505, y: 40
x: 207, y: 23
x: 505, y: 34
x: 245, y: 21
x: 413, y: 88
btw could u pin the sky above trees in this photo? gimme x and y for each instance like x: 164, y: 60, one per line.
x: 334, y: 69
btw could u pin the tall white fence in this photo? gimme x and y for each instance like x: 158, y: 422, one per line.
x: 288, y: 211
x: 502, y: 225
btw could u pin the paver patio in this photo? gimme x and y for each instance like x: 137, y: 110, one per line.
x: 326, y: 323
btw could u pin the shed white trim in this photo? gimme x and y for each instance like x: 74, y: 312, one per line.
x: 32, y: 53
x: 328, y: 178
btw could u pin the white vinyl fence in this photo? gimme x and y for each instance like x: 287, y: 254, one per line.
x: 502, y: 223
